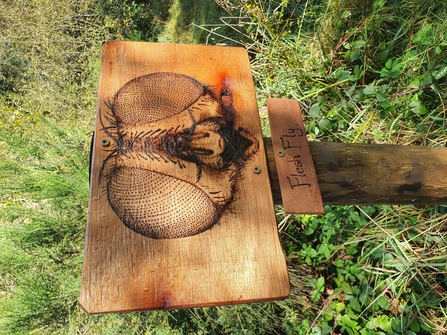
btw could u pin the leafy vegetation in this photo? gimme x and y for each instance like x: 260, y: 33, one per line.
x: 363, y: 71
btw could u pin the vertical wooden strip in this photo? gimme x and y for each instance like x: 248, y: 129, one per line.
x: 297, y: 177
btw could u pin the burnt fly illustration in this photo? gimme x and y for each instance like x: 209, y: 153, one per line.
x: 176, y: 155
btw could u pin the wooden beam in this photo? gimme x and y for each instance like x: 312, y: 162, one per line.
x: 360, y: 174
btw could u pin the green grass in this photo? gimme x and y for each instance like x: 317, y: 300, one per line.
x: 44, y: 186
x: 363, y: 71
x: 186, y: 19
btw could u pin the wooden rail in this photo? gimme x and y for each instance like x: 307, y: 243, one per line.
x: 350, y: 174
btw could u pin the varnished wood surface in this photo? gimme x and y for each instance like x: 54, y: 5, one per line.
x: 350, y: 174
x: 239, y: 259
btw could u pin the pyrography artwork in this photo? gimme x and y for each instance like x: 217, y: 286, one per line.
x: 176, y: 156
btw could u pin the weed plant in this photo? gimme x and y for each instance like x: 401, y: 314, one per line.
x: 363, y: 71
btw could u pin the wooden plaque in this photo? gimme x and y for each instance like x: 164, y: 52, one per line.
x: 296, y: 171
x: 180, y: 211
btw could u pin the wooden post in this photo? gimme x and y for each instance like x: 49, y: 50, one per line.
x: 374, y: 174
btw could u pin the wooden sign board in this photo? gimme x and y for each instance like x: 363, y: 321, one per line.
x: 296, y: 171
x: 180, y: 210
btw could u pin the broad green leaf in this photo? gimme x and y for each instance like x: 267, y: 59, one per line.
x: 319, y: 283
x: 325, y: 125
x: 418, y: 108
x: 381, y: 97
x: 370, y: 89
x: 414, y: 326
x: 386, y: 105
x: 394, y: 73
x: 437, y: 89
x: 355, y: 55
x: 324, y: 250
x: 399, y: 266
x: 383, y: 302
x: 387, y: 257
x: 308, y: 231
x: 339, y: 306
x: 427, y: 79
x: 358, y: 44
x: 382, y: 322
x: 384, y: 55
x: 389, y: 63
x: 342, y: 75
x: 346, y: 321
x: 354, y: 305
x: 351, y: 90
x: 440, y: 73
x: 315, y: 111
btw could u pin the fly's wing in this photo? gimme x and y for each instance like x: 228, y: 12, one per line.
x: 155, y: 96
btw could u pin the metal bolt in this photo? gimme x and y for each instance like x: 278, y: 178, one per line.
x: 105, y: 142
x: 280, y: 153
x: 256, y: 169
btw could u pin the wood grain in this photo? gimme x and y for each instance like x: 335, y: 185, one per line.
x: 238, y: 260
x: 360, y: 174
